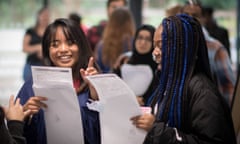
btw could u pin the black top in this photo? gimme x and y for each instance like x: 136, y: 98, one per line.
x: 14, y: 133
x: 208, y: 119
x: 32, y: 59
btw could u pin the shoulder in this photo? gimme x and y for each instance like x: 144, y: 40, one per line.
x: 203, y: 94
x: 218, y: 48
x: 199, y: 80
x: 208, y: 111
x: 30, y: 30
x: 221, y: 53
x: 26, y: 91
x: 202, y: 90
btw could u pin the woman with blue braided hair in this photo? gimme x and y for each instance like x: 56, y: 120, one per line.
x: 187, y: 106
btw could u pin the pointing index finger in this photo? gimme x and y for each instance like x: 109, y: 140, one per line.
x: 90, y: 62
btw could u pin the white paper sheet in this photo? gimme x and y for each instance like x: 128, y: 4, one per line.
x: 62, y: 117
x: 118, y: 104
x: 137, y: 77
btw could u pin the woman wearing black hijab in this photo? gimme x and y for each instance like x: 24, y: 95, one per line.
x: 141, y: 55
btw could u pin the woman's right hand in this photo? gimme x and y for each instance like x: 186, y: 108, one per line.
x: 90, y: 70
x: 34, y: 104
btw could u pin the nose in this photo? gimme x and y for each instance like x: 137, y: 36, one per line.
x: 143, y: 40
x: 63, y: 47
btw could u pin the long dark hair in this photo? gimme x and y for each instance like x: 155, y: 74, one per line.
x: 184, y: 53
x: 72, y: 32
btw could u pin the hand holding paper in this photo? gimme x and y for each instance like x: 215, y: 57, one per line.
x: 34, y: 104
x: 145, y: 121
x: 117, y: 104
x: 62, y: 115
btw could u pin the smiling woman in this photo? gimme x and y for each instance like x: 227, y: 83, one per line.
x: 64, y: 45
x: 63, y: 52
x: 187, y: 106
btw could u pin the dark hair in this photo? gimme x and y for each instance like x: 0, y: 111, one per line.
x: 184, y: 53
x: 75, y: 17
x: 2, y: 116
x: 207, y: 10
x: 110, y: 1
x: 72, y: 32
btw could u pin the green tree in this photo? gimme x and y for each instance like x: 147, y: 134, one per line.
x: 218, y: 4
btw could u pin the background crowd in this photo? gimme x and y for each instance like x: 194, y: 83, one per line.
x: 184, y: 63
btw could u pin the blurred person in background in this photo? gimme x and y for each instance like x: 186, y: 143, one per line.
x: 173, y: 10
x: 117, y: 39
x: 219, y: 60
x: 32, y: 42
x: 216, y: 31
x: 12, y: 133
x: 95, y: 32
x: 139, y: 57
x: 78, y: 19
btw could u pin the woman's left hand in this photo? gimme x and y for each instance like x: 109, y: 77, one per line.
x: 15, y: 111
x: 144, y: 121
x: 90, y: 70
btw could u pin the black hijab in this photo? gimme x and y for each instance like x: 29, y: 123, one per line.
x: 138, y: 58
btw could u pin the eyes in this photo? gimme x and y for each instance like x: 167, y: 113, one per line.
x: 57, y: 43
x: 148, y: 39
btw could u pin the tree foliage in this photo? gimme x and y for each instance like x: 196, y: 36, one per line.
x: 21, y: 13
x: 15, y: 13
x: 218, y: 4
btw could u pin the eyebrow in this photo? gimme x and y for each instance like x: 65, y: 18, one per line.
x: 54, y: 40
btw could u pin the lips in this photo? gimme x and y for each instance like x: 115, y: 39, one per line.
x: 65, y: 58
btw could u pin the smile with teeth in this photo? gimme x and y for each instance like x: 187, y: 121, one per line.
x: 65, y: 58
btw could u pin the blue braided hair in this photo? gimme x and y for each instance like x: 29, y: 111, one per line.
x: 182, y: 43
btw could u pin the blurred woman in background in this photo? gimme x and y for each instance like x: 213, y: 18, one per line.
x: 32, y: 42
x: 117, y: 39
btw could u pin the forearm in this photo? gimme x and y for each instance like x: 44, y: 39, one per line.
x: 30, y: 49
x: 16, y: 131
